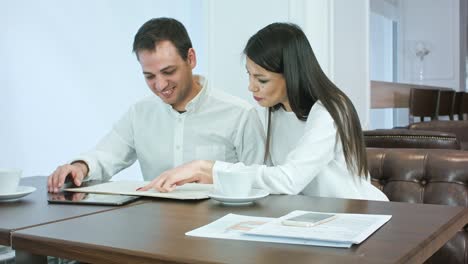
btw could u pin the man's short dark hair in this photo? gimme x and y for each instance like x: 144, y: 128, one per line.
x: 161, y: 29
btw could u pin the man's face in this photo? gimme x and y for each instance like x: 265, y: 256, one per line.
x: 168, y: 75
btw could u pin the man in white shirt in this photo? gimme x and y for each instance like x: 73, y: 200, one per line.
x: 188, y: 121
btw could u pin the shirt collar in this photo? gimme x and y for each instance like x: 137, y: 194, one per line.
x: 197, y: 101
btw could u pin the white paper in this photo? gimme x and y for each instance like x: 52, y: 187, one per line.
x: 190, y: 191
x: 345, y: 228
x: 234, y: 226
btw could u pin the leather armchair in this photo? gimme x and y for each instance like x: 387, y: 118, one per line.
x: 459, y: 128
x: 404, y: 138
x: 434, y: 176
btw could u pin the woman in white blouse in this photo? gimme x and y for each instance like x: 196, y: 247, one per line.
x: 314, y: 136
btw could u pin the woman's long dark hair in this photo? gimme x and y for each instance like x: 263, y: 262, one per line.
x: 284, y: 48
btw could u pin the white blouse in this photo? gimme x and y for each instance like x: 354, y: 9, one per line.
x: 308, y: 159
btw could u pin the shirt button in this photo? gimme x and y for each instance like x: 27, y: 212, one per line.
x: 179, y: 120
x: 177, y: 147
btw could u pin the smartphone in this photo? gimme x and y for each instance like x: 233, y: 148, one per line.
x: 90, y: 198
x: 308, y: 219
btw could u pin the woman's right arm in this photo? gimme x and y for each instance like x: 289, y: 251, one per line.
x: 313, y: 152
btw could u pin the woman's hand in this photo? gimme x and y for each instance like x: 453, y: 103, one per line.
x: 198, y: 171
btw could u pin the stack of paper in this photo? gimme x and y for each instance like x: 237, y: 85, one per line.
x: 343, y: 231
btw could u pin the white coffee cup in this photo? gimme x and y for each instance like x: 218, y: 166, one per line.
x: 9, y: 180
x: 234, y: 183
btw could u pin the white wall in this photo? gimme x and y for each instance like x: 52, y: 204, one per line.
x: 383, y: 15
x: 385, y: 8
x: 381, y: 64
x: 351, y: 53
x: 68, y: 73
x: 316, y: 19
x: 381, y: 48
x: 340, y: 46
x: 229, y: 24
x: 437, y: 23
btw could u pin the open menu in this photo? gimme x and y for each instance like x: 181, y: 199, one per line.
x: 190, y: 191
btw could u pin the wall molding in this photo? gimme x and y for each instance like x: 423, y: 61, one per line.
x: 306, y: 13
x: 208, y: 20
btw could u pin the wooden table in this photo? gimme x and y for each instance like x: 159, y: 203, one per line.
x: 34, y: 210
x: 154, y: 232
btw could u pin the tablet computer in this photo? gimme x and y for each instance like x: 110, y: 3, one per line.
x: 90, y: 198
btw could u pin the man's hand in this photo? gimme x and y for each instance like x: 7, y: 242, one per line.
x: 76, y: 171
x: 198, y: 171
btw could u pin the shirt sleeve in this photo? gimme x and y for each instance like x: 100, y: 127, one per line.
x: 250, y: 139
x: 313, y: 152
x: 114, y: 152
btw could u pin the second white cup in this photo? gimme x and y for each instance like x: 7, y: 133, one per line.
x: 234, y: 183
x: 9, y: 180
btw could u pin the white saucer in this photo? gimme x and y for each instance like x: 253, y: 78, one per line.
x: 255, y: 194
x: 20, y: 192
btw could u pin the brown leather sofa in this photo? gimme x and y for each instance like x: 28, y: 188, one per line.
x: 459, y: 128
x: 433, y: 176
x: 404, y: 138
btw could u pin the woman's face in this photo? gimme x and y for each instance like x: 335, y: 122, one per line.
x: 268, y: 88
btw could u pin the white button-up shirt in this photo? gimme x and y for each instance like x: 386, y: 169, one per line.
x: 307, y: 158
x: 216, y: 126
